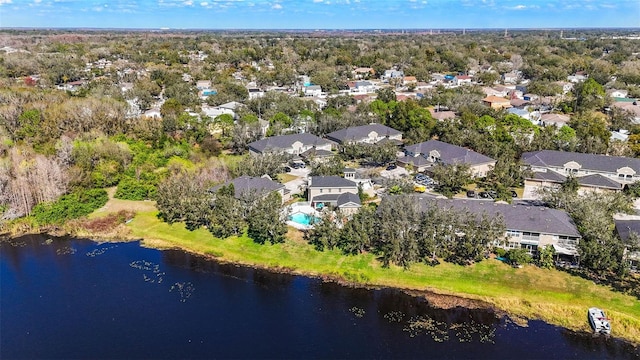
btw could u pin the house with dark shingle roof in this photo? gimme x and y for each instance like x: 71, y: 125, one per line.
x: 625, y: 229
x: 334, y: 191
x: 529, y: 227
x: 365, y: 134
x: 294, y: 144
x: 248, y: 185
x: 593, y: 172
x: 426, y: 154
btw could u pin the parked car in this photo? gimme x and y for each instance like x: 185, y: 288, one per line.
x: 471, y: 194
x: 514, y: 194
x: 487, y: 194
x: 392, y: 167
x: 286, y: 169
x: 298, y: 165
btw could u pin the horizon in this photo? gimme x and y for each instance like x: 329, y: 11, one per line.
x: 320, y: 14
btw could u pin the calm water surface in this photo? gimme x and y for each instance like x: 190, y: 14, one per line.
x: 71, y: 298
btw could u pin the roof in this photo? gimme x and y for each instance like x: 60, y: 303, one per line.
x: 442, y: 115
x: 496, y: 99
x: 624, y: 228
x: 318, y: 153
x: 518, y: 102
x: 517, y: 216
x: 548, y: 176
x: 286, y: 141
x: 599, y: 181
x: 593, y: 162
x: 356, y: 133
x: 246, y: 184
x: 415, y: 160
x: 555, y: 118
x: 330, y: 181
x: 326, y: 197
x: 346, y: 198
x: 449, y: 154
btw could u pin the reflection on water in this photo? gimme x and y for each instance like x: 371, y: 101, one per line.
x: 65, y: 298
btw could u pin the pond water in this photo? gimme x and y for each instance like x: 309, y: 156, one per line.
x: 70, y: 298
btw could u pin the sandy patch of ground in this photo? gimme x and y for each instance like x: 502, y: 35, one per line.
x: 115, y: 205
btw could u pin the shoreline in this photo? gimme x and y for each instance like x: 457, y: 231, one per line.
x: 437, y: 298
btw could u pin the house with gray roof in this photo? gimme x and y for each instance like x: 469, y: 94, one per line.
x: 593, y: 172
x: 625, y: 229
x: 528, y: 227
x: 429, y: 153
x: 247, y: 186
x: 365, y: 134
x: 294, y: 144
x: 335, y: 191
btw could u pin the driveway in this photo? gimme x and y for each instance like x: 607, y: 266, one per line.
x: 395, y: 173
x: 294, y: 186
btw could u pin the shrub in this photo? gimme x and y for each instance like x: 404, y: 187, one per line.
x: 132, y: 189
x: 70, y: 206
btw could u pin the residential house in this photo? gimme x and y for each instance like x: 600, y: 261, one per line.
x: 594, y: 173
x: 625, y: 229
x: 510, y: 77
x: 203, y: 84
x: 527, y: 227
x: 247, y: 185
x: 363, y: 72
x: 363, y: 87
x: 442, y: 115
x: 392, y: 74
x: 496, y: 102
x: 614, y: 93
x: 312, y: 90
x: 621, y: 135
x: 365, y: 134
x: 579, y: 76
x: 429, y: 153
x: 255, y: 93
x: 632, y: 106
x: 565, y: 85
x: 558, y: 120
x: 294, y: 144
x: 409, y: 80
x: 462, y: 80
x: 335, y: 191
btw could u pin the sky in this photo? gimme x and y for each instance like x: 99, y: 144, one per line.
x: 319, y: 14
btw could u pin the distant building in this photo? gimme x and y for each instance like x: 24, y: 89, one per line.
x: 367, y: 134
x: 295, y: 144
x: 495, y: 102
x: 429, y: 153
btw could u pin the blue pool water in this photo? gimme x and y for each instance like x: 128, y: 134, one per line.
x: 303, y: 219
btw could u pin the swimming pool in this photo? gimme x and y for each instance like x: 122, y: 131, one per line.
x: 303, y: 219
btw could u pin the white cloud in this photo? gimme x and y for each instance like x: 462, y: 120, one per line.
x: 2, y: 2
x: 204, y: 3
x: 318, y: 1
x: 276, y: 6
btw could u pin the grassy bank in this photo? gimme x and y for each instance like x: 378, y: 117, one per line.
x: 530, y: 292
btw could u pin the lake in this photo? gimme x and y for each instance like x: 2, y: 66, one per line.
x: 72, y: 298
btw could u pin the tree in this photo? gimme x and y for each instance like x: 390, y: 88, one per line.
x: 324, y: 234
x: 265, y: 222
x: 227, y: 213
x: 386, y: 95
x: 395, y: 238
x: 451, y: 178
x: 333, y: 166
x: 545, y: 257
x: 184, y: 197
x: 265, y: 164
x: 589, y: 95
x: 356, y: 235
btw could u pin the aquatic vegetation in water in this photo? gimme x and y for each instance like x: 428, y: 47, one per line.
x: 185, y: 289
x: 394, y: 316
x: 67, y: 250
x: 358, y: 312
x: 17, y: 243
x: 49, y: 241
x: 100, y: 251
x: 157, y: 275
x: 441, y: 331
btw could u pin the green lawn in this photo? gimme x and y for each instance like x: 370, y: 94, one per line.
x: 530, y: 292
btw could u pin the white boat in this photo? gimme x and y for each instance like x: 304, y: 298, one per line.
x: 599, y: 321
